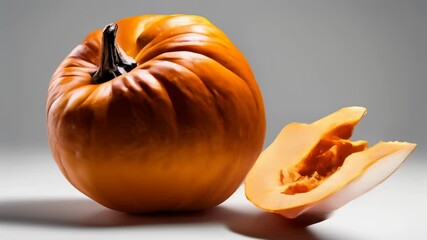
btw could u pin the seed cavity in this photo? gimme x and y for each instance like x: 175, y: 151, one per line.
x: 327, y: 157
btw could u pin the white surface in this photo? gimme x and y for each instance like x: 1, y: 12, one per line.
x: 36, y: 202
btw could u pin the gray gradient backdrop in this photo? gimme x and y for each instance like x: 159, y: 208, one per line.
x: 309, y: 57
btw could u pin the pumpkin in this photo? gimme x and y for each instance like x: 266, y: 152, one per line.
x: 155, y: 113
x: 314, y: 169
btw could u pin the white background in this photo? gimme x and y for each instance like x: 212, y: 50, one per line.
x: 36, y: 202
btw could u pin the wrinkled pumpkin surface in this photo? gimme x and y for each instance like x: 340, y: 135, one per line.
x: 316, y: 168
x: 153, y: 114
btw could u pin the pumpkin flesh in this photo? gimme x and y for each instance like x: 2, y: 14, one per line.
x: 327, y: 157
x: 308, y: 165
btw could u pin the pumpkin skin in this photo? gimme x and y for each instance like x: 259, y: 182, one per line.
x: 314, y: 169
x: 178, y: 132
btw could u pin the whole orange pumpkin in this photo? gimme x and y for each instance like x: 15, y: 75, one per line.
x: 155, y: 113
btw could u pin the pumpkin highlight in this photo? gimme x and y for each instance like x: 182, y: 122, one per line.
x: 315, y: 168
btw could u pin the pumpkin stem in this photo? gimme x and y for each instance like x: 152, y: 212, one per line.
x: 114, y: 62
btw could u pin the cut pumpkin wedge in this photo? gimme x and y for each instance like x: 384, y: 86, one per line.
x: 315, y: 168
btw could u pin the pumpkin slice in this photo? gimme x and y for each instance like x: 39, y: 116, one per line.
x: 314, y: 168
